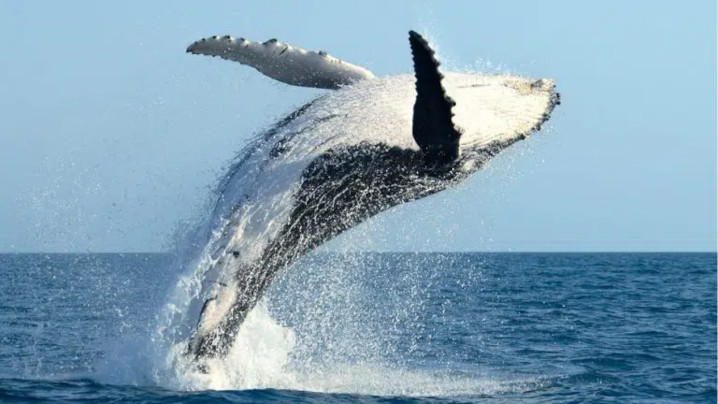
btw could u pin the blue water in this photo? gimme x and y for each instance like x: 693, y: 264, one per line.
x: 383, y: 328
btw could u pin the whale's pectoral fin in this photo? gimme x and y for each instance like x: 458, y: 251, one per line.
x: 283, y: 62
x: 433, y: 128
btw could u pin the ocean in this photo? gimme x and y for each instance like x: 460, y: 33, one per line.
x: 375, y: 327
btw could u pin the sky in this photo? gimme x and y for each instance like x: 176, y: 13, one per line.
x: 112, y: 137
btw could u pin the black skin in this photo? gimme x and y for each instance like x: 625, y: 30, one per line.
x: 339, y: 190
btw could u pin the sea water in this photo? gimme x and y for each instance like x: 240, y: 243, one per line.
x: 374, y: 327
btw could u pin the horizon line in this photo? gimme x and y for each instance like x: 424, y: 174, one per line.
x: 399, y: 252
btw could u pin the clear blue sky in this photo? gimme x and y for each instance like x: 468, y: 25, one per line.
x: 111, y: 136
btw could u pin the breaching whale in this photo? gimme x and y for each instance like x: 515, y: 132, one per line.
x: 368, y: 145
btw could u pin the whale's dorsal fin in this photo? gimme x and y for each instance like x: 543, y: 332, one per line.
x: 283, y: 62
x: 433, y: 128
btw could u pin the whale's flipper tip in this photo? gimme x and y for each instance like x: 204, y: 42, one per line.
x: 433, y: 128
x: 283, y: 62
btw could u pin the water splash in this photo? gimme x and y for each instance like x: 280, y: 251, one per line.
x: 322, y: 330
x: 258, y: 359
x: 332, y: 337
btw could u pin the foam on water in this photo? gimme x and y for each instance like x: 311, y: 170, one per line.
x: 344, y: 346
x: 261, y: 358
x: 257, y: 359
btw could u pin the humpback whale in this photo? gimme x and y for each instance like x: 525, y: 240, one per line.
x: 367, y: 145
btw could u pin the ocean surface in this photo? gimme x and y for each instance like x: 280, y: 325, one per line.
x: 376, y: 327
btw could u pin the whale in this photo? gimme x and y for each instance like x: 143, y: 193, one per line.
x: 365, y: 145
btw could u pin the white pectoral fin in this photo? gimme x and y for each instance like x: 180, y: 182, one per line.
x: 283, y: 62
